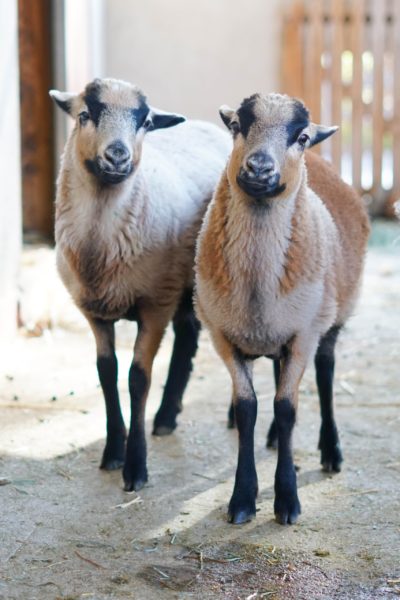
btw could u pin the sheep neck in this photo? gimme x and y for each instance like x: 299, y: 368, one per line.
x: 258, y: 238
x: 108, y: 217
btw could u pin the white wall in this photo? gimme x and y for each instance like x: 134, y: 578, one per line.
x: 78, y: 54
x: 192, y: 56
x: 10, y: 193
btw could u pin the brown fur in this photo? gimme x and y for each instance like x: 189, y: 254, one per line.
x: 299, y: 252
x: 350, y: 217
x: 213, y: 266
x: 294, y: 251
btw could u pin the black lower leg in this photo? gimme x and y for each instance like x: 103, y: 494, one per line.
x: 272, y: 435
x: 287, y: 505
x: 331, y: 455
x: 242, y: 506
x: 135, y: 468
x: 114, y: 451
x: 231, y: 416
x: 186, y: 328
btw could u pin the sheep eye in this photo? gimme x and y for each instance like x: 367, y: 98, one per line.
x: 303, y: 139
x: 83, y: 117
x: 234, y: 127
x: 147, y: 124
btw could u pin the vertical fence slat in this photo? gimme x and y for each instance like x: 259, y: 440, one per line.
x: 308, y: 57
x: 357, y: 46
x: 315, y: 16
x: 396, y: 101
x: 378, y: 33
x: 358, y: 26
x: 337, y: 11
x: 292, y: 51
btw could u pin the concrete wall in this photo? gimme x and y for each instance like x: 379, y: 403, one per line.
x: 10, y: 193
x: 194, y: 56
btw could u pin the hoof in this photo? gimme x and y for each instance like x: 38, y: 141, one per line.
x: 331, y: 460
x: 134, y: 486
x: 164, y: 424
x: 242, y: 508
x: 111, y: 464
x: 135, y: 477
x: 114, y: 454
x: 161, y: 430
x: 241, y: 516
x: 287, y: 511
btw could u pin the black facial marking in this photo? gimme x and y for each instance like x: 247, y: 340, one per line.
x: 95, y: 106
x: 259, y: 192
x: 246, y: 114
x: 96, y: 109
x: 140, y: 113
x: 300, y: 120
x: 91, y: 166
x: 105, y: 177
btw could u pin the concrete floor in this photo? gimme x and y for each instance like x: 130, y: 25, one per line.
x: 67, y: 530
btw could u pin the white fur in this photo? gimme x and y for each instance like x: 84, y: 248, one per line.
x: 258, y: 318
x: 148, y: 223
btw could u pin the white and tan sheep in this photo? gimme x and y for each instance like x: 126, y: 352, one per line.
x: 129, y: 205
x: 278, y: 269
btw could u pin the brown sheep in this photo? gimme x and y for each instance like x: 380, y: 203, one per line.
x: 278, y: 268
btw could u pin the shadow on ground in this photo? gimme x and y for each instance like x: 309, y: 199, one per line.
x: 67, y: 530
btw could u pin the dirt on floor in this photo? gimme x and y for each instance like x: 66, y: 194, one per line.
x: 67, y: 530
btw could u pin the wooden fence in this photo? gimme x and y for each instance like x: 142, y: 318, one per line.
x: 342, y: 57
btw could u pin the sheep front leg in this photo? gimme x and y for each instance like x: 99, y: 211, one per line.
x: 150, y: 332
x: 287, y: 506
x: 107, y: 367
x: 272, y: 436
x: 242, y: 506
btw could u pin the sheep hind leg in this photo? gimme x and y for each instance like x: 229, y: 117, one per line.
x: 272, y: 435
x: 186, y: 328
x: 231, y: 416
x: 331, y: 454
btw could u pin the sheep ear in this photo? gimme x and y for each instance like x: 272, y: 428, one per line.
x: 319, y: 133
x: 64, y: 100
x: 161, y: 120
x: 226, y: 115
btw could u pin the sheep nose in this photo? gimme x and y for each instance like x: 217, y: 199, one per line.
x: 260, y: 165
x: 117, y: 154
